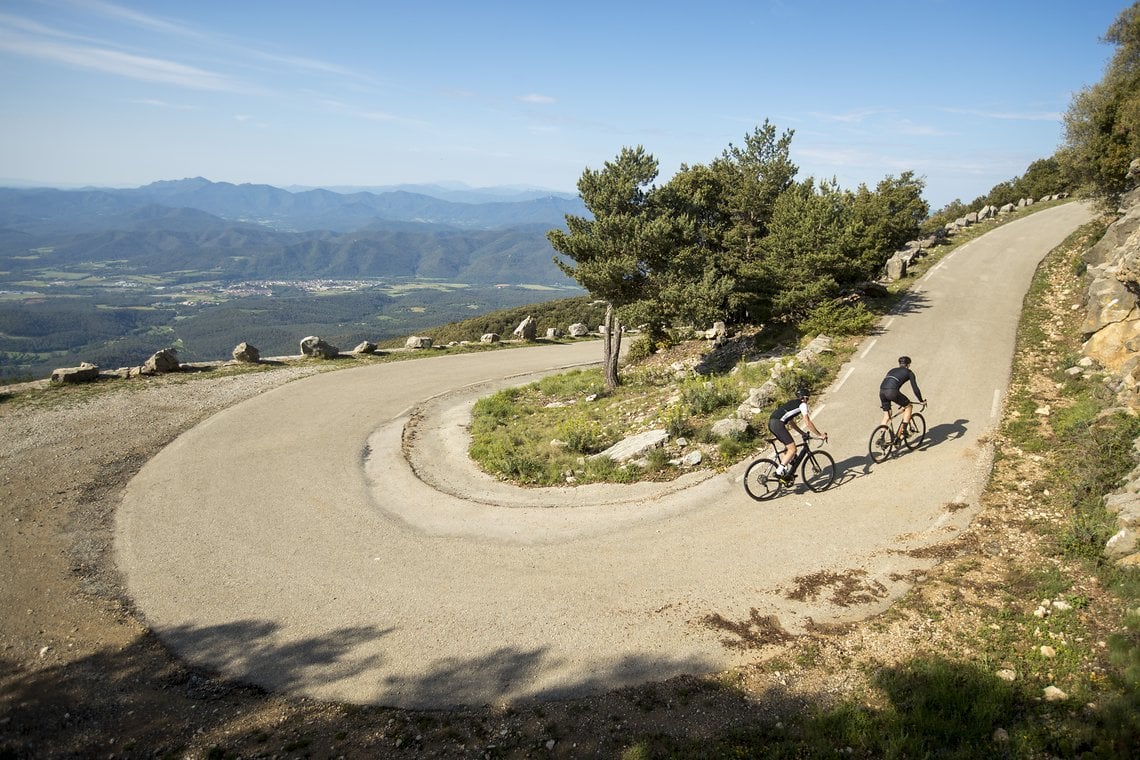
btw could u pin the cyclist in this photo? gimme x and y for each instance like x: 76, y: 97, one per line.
x: 891, y: 390
x: 785, y: 415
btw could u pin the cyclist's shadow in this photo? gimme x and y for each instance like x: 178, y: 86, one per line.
x: 851, y: 468
x: 946, y: 431
x: 861, y: 465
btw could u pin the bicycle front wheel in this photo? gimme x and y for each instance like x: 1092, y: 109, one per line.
x: 818, y: 470
x: 881, y: 444
x: 760, y: 480
x: 915, y: 431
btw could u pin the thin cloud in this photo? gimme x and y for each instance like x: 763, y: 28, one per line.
x: 908, y: 127
x: 857, y: 116
x: 1009, y: 115
x: 370, y: 115
x: 118, y: 63
x: 537, y: 99
x: 130, y: 16
x: 163, y: 104
x: 154, y: 23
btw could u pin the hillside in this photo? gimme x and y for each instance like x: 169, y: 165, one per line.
x: 257, y: 231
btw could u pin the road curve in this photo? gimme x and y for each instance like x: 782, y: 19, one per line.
x: 289, y: 542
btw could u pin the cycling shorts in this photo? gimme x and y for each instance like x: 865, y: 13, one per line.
x: 887, y: 395
x: 780, y: 430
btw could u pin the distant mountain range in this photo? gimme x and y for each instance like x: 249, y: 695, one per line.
x: 260, y: 231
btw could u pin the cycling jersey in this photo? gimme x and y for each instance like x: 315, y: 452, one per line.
x: 899, y: 376
x: 785, y: 413
x: 891, y: 388
x: 790, y: 410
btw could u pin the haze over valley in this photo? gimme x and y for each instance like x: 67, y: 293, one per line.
x: 112, y: 275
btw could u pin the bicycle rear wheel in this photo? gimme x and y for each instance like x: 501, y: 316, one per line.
x: 818, y: 470
x: 915, y: 431
x: 760, y: 480
x: 881, y: 444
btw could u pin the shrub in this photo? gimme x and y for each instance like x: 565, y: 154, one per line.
x: 706, y: 396
x: 582, y: 435
x: 639, y: 350
x: 577, y: 383
x: 808, y: 374
x: 837, y: 318
x: 494, y: 410
x: 677, y: 422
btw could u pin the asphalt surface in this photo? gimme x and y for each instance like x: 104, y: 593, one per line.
x: 289, y: 541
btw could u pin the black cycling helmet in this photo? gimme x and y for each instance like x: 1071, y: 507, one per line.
x: 904, y: 361
x: 803, y: 391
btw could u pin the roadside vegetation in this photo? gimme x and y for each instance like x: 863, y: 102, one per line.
x: 548, y: 432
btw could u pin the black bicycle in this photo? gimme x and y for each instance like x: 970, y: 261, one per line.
x: 886, y: 440
x: 817, y: 471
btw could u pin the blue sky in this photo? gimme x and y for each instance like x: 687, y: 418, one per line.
x: 122, y: 92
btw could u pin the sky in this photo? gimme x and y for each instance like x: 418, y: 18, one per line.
x: 120, y: 93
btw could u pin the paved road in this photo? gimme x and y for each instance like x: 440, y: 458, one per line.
x: 287, y: 541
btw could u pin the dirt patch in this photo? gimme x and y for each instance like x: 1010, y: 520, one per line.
x: 847, y: 588
x: 753, y: 633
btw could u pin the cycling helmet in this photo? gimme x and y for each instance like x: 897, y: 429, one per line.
x: 904, y: 361
x: 803, y: 391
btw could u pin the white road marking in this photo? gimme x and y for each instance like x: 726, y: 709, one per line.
x: 843, y: 379
x: 867, y: 350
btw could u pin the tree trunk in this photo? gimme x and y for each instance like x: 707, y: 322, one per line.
x: 612, y: 346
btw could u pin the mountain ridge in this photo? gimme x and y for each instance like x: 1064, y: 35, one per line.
x: 258, y: 231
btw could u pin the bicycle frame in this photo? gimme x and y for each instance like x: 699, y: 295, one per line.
x: 897, y: 429
x: 801, y: 451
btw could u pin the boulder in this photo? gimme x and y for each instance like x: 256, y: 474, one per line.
x: 489, y: 338
x: 579, y: 330
x: 318, y: 348
x: 1109, y: 301
x: 553, y: 333
x: 527, y: 329
x: 365, y: 347
x: 417, y: 341
x: 244, y: 352
x: 896, y: 267
x: 1114, y: 345
x: 161, y: 362
x: 1114, y: 238
x: 84, y: 373
x: 634, y: 446
x: 729, y: 428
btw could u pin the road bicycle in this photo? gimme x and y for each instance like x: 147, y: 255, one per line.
x: 886, y: 440
x: 817, y: 471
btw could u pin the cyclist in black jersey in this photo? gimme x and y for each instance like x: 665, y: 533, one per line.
x: 785, y: 415
x: 891, y: 390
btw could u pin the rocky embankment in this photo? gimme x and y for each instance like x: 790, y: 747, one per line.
x: 1112, y: 348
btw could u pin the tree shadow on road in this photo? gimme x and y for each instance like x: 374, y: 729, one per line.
x: 911, y: 303
x: 138, y: 701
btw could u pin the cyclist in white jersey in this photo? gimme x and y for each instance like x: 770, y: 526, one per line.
x: 786, y: 415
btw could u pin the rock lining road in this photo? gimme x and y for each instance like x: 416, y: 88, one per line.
x: 288, y: 541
